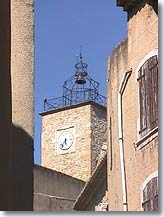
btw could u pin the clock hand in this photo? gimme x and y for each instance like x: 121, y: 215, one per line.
x: 65, y: 141
x: 61, y: 145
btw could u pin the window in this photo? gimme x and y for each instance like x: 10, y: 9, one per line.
x: 150, y: 195
x: 148, y: 94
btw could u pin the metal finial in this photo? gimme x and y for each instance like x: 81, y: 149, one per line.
x: 81, y: 52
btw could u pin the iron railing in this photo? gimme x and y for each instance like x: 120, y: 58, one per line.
x: 67, y: 100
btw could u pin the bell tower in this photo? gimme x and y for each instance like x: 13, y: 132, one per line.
x: 74, y: 126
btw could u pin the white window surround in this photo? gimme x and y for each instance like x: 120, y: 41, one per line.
x: 152, y: 53
x: 151, y: 176
x: 148, y: 56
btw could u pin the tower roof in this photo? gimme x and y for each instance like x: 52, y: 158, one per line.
x: 78, y: 88
x: 73, y: 106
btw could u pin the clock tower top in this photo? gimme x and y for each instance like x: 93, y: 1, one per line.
x: 77, y: 89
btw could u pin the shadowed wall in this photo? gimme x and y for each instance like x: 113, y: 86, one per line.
x: 16, y: 110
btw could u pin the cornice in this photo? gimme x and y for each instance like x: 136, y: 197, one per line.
x: 127, y: 4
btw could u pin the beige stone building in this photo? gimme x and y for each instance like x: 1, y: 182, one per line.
x: 16, y: 95
x: 85, y: 124
x: 133, y: 112
x: 132, y: 162
x: 74, y: 136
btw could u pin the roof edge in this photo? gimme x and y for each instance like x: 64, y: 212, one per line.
x: 71, y: 107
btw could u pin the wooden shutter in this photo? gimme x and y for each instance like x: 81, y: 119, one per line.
x: 148, y: 93
x: 142, y: 94
x: 153, y: 71
x: 155, y: 203
x: 150, y: 195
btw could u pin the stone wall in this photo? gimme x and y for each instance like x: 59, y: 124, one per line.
x: 22, y: 63
x: 54, y: 191
x: 76, y: 161
x: 140, y: 160
x: 99, y: 133
x: 16, y: 95
x: 77, y: 119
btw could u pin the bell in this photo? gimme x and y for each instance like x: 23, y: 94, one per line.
x: 80, y: 79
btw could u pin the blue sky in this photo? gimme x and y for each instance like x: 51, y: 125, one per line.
x: 61, y: 27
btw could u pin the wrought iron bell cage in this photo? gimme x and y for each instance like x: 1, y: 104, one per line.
x: 78, y: 88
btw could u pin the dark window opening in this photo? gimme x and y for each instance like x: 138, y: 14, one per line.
x: 148, y: 93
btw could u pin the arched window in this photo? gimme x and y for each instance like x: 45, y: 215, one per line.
x: 150, y: 195
x: 148, y: 95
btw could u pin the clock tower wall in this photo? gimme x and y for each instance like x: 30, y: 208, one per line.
x: 99, y: 134
x: 75, y: 161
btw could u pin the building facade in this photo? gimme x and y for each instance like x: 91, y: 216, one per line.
x: 16, y: 66
x: 85, y: 125
x: 132, y: 117
x: 132, y: 112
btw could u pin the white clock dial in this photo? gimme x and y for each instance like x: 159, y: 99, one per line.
x: 65, y: 140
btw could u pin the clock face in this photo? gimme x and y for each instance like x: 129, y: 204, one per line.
x: 65, y: 140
